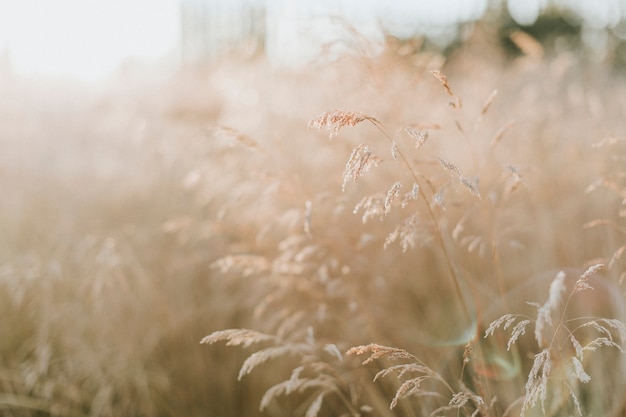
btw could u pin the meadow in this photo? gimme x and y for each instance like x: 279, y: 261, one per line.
x: 408, y: 234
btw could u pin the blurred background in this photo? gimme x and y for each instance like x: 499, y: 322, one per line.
x: 143, y: 141
x: 90, y: 39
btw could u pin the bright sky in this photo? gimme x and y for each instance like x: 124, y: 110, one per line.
x: 89, y: 39
x: 85, y: 38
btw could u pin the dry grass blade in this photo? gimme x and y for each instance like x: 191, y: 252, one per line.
x: 361, y: 160
x: 460, y: 400
x: 392, y: 194
x: 504, y: 321
x: 575, y: 401
x: 616, y: 255
x: 412, y: 195
x: 579, y: 371
x: 602, y: 341
x: 297, y: 384
x: 412, y: 387
x: 488, y: 102
x: 334, y: 120
x: 402, y: 370
x: 377, y: 351
x: 472, y: 186
x: 582, y: 283
x: 605, y: 222
x: 237, y: 337
x: 333, y: 350
x: 500, y: 133
x: 372, y: 206
x: 450, y: 167
x: 394, y: 151
x: 518, y: 331
x: 406, y: 233
x: 264, y: 355
x: 315, y: 406
x: 419, y: 136
x: 544, y: 312
x: 607, y: 327
x: 409, y: 387
x: 444, y: 82
x: 537, y: 383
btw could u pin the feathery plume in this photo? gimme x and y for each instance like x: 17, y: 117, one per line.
x: 537, y: 384
x: 392, y: 194
x: 359, y: 163
x: 237, y: 337
x: 583, y: 282
x: 444, y: 82
x: 450, y: 167
x: 336, y: 119
x: 417, y: 135
x: 372, y: 206
x: 544, y: 313
x: 378, y: 351
x: 518, y: 331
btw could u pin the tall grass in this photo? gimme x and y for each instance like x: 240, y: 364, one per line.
x: 237, y: 207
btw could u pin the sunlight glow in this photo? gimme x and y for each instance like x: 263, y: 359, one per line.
x: 86, y: 39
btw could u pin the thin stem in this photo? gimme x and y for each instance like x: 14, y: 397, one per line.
x: 453, y: 272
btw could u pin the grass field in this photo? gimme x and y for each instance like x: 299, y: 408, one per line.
x: 384, y: 209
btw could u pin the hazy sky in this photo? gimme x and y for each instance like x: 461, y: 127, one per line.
x: 85, y: 38
x: 90, y: 38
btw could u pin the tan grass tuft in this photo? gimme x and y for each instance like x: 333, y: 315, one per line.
x: 264, y: 355
x: 444, y: 82
x: 450, y: 167
x: 412, y: 195
x: 378, y: 351
x: 419, y: 136
x: 518, y: 330
x: 537, y: 383
x: 545, y: 312
x: 237, y: 337
x: 460, y: 400
x: 361, y: 160
x: 575, y: 401
x: 394, y: 151
x: 579, y: 371
x: 334, y: 120
x: 392, y: 195
x: 372, y: 206
x: 582, y: 283
x: 406, y: 234
x: 295, y: 383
